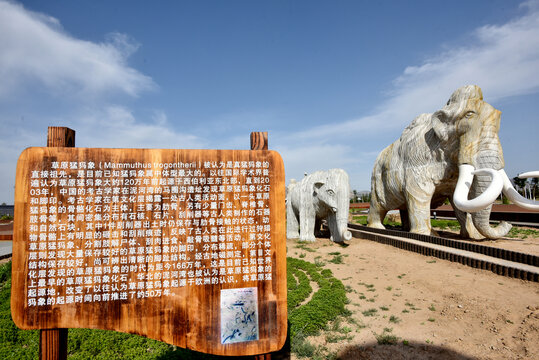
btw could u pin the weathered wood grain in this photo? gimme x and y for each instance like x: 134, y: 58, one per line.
x: 53, y: 342
x: 60, y: 136
x: 190, y: 316
x: 259, y: 140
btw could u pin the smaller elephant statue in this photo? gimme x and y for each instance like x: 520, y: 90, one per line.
x: 321, y: 195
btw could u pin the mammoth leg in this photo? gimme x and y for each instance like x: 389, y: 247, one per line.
x: 418, y: 206
x: 292, y: 225
x: 306, y: 223
x: 375, y: 218
x: 376, y: 215
x: 467, y: 228
x: 405, y: 221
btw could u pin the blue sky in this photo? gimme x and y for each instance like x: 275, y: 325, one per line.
x: 333, y: 82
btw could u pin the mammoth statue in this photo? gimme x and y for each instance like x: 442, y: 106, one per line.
x: 453, y: 153
x: 321, y: 195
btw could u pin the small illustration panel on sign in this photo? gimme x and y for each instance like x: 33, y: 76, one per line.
x: 239, y: 315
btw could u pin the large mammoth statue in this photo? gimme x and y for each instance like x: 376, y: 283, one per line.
x: 453, y: 153
x: 321, y: 195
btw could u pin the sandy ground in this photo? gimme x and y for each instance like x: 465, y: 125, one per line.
x: 436, y: 308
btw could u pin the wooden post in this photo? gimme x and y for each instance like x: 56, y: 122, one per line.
x: 59, y: 136
x: 259, y: 141
x: 53, y: 342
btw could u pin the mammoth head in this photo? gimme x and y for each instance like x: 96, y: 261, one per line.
x: 325, y: 195
x: 468, y: 127
x: 472, y: 122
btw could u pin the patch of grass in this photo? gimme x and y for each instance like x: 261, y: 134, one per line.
x: 521, y: 233
x: 338, y: 332
x: 384, y: 308
x: 335, y: 338
x: 386, y: 337
x: 405, y: 311
x: 361, y: 220
x: 302, y: 347
x: 302, y: 255
x: 431, y: 261
x: 359, y: 325
x: 394, y: 319
x: 370, y: 312
x: 319, y: 262
x: 411, y: 306
x: 444, y: 224
x: 337, y: 259
x: 325, y: 305
x: 389, y: 288
x: 303, y: 246
x: 432, y: 319
x: 432, y: 308
x: 401, y: 276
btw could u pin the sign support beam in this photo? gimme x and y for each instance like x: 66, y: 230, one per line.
x: 53, y: 342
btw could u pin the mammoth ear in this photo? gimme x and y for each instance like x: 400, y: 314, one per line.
x: 317, y: 186
x: 441, y: 124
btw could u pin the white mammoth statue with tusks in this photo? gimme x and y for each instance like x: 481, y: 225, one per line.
x: 453, y: 153
x: 321, y: 195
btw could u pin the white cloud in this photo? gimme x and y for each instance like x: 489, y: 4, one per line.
x: 502, y: 59
x: 35, y: 50
x: 119, y: 128
x: 40, y: 65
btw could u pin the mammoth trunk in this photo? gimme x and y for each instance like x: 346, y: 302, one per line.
x: 338, y: 227
x: 491, y: 160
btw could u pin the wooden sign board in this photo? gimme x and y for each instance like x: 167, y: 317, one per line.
x: 182, y: 246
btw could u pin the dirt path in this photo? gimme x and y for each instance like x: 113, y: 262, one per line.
x: 437, y: 309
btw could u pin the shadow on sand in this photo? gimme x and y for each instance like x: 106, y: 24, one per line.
x: 412, y: 350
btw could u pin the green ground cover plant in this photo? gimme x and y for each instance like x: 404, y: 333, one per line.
x: 386, y: 337
x: 521, y: 233
x: 362, y: 220
x: 324, y: 306
x: 444, y: 224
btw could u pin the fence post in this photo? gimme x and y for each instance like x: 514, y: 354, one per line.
x: 53, y: 342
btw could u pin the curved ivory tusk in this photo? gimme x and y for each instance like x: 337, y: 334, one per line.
x: 529, y: 174
x: 514, y: 196
x: 460, y: 196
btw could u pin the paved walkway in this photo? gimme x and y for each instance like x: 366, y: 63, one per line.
x: 5, y: 248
